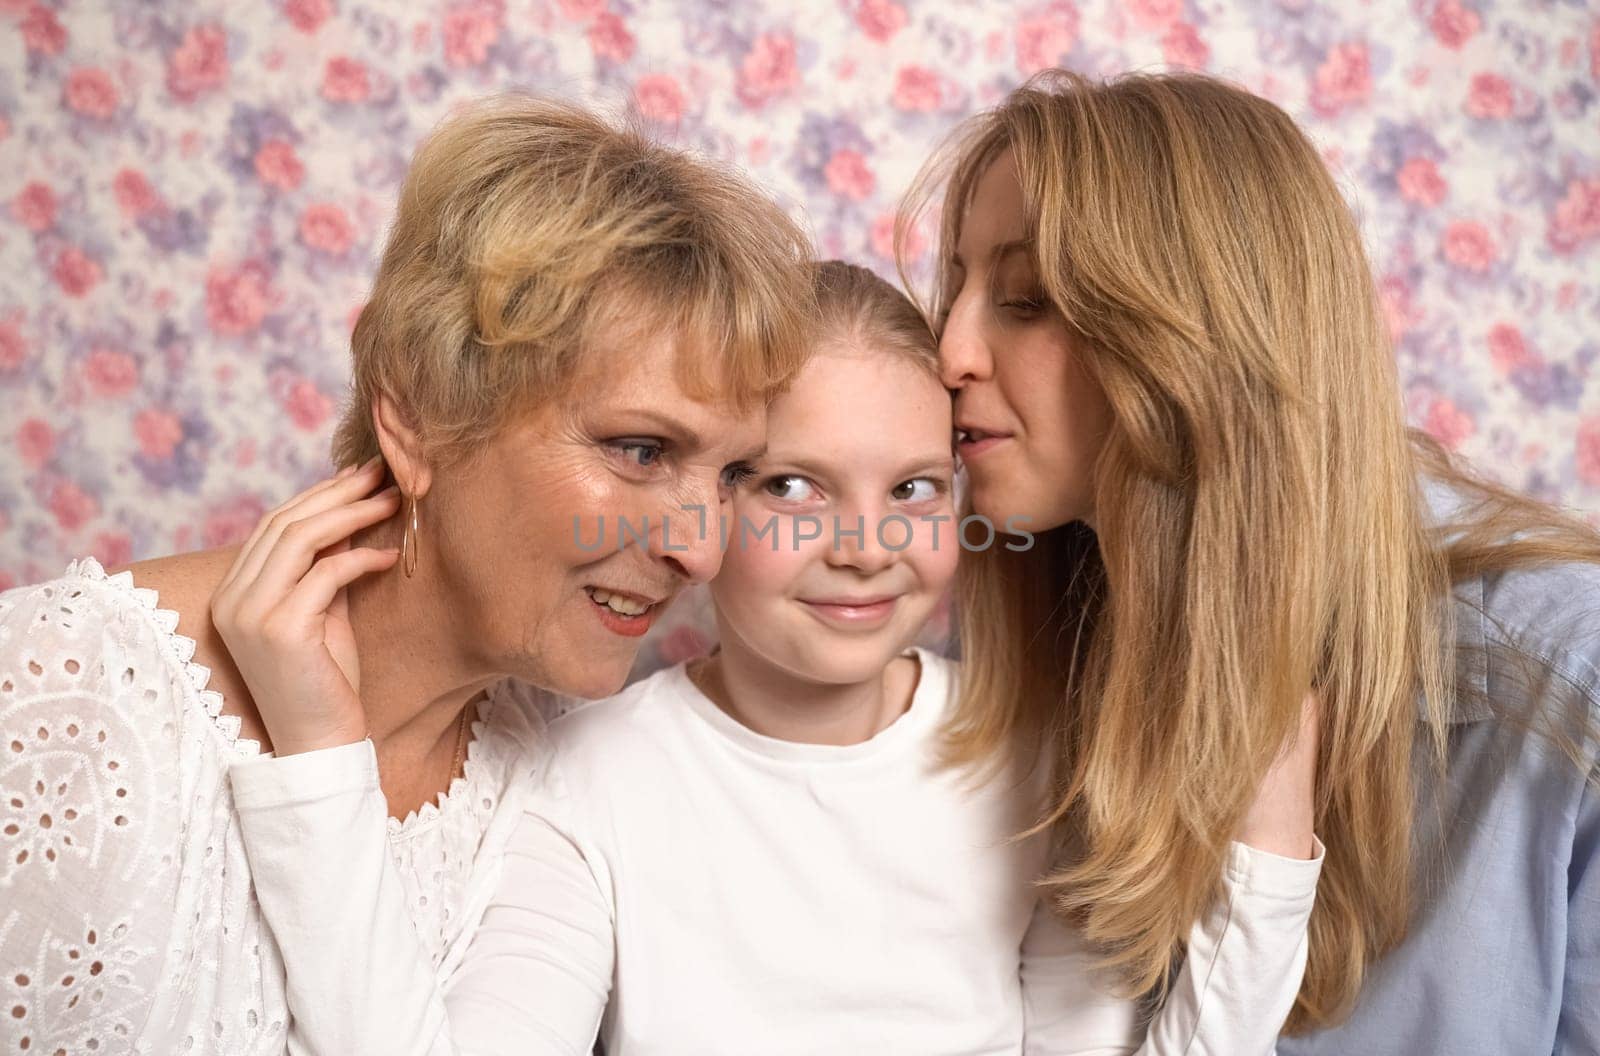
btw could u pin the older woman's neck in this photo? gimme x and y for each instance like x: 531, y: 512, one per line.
x: 415, y: 676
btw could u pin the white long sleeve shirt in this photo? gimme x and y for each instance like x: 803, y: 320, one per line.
x: 726, y: 892
x: 129, y: 912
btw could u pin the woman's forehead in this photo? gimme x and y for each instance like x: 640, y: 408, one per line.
x: 994, y: 219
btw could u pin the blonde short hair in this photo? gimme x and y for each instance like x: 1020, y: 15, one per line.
x: 525, y: 226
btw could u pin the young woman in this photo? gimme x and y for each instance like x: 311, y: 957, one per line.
x: 554, y: 293
x: 1158, y: 323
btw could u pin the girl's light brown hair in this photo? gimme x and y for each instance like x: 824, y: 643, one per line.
x: 1260, y: 528
x: 532, y: 240
x: 859, y: 308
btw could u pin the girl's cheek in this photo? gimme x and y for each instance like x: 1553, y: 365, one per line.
x: 937, y: 565
x: 935, y: 546
x: 764, y: 565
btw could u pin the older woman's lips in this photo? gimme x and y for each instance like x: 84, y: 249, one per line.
x: 630, y: 624
x: 852, y: 612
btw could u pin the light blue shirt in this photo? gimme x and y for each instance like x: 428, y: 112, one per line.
x: 1503, y: 957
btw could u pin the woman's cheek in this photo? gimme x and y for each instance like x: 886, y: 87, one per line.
x: 589, y: 509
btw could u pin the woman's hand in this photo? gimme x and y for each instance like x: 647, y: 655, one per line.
x: 283, y: 612
x: 1280, y: 820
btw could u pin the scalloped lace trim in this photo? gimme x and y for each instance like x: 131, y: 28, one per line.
x: 179, y: 647
x: 182, y: 649
x: 456, y: 791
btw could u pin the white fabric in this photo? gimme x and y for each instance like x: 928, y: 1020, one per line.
x: 129, y: 918
x: 748, y: 895
x: 774, y: 897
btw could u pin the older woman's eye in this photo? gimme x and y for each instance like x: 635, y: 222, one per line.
x: 790, y: 488
x: 918, y: 489
x: 641, y: 453
x: 737, y: 475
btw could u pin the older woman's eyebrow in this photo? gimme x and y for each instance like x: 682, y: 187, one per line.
x: 751, y: 457
x: 680, y: 430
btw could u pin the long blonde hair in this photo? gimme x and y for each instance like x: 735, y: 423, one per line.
x: 1260, y: 525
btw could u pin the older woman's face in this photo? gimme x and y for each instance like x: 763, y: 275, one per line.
x: 528, y: 532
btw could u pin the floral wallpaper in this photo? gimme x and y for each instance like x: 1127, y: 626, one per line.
x: 193, y: 196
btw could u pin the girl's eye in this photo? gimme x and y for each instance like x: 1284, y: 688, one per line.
x: 917, y: 489
x: 641, y: 453
x: 790, y: 487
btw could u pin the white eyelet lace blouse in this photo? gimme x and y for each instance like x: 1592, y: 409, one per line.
x: 129, y: 920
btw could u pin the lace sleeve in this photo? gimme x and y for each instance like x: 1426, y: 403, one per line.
x: 89, y: 811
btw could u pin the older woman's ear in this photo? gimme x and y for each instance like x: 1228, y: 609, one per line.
x: 402, y: 448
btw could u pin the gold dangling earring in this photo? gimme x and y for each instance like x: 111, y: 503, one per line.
x: 408, y: 542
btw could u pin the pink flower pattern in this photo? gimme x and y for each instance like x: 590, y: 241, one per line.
x: 195, y: 195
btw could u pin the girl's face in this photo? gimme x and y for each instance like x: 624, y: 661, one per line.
x: 861, y: 440
x: 1031, y: 421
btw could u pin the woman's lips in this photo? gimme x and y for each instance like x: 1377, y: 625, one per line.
x: 970, y: 449
x: 972, y: 441
x: 626, y: 624
x: 852, y: 612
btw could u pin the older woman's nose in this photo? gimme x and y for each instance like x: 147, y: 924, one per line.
x: 690, y: 543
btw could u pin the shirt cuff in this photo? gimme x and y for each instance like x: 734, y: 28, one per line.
x: 269, y: 781
x: 1262, y: 872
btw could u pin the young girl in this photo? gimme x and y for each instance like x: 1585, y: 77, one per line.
x: 762, y: 852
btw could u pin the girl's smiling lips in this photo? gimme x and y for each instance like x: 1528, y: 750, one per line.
x: 854, y: 611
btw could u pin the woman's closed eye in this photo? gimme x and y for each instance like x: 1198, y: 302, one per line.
x: 1024, y: 305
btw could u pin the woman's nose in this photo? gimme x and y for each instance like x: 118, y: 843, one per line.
x: 963, y: 353
x: 689, y: 541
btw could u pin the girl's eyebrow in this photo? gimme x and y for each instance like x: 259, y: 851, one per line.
x: 918, y: 465
x: 939, y: 463
x: 772, y: 462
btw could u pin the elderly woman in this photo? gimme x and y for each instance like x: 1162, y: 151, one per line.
x: 570, y: 325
